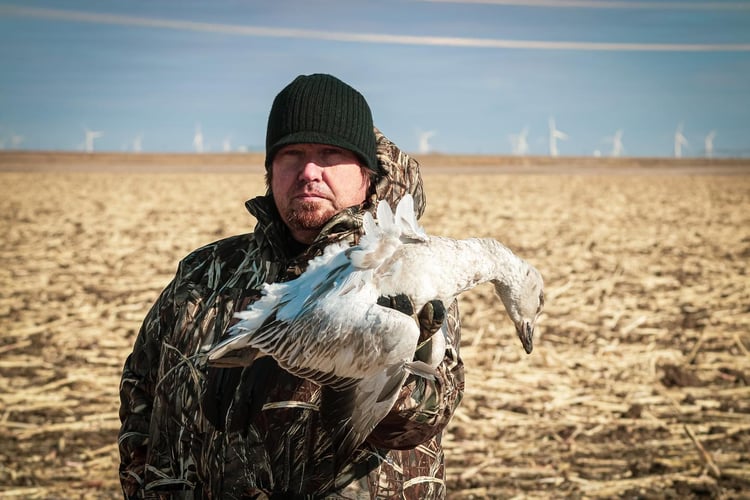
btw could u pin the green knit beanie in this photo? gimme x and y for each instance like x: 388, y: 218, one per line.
x: 322, y: 109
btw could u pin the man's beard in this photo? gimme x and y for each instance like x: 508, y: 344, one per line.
x: 308, y: 215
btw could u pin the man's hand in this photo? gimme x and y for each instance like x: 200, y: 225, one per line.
x: 430, y: 318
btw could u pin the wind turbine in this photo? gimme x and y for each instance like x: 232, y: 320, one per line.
x: 679, y: 141
x: 15, y: 141
x: 710, y: 144
x: 518, y: 142
x: 227, y: 144
x: 424, y: 141
x: 616, y: 140
x: 554, y: 134
x: 198, y: 139
x: 90, y: 135
x: 138, y: 143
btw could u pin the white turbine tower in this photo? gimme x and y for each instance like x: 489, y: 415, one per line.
x: 226, y: 144
x: 424, y: 141
x: 90, y: 135
x: 198, y: 139
x: 616, y: 140
x: 554, y: 135
x: 15, y: 141
x: 679, y: 141
x: 138, y: 143
x: 519, y: 143
x: 710, y: 144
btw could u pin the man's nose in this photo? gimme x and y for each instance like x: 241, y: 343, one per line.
x: 311, y: 170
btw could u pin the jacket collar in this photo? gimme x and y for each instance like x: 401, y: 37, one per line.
x: 276, y: 237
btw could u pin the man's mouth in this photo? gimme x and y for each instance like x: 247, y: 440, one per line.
x: 310, y: 197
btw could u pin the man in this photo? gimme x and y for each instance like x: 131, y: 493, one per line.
x: 194, y: 432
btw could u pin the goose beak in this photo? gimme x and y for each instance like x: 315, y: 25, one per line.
x: 525, y: 332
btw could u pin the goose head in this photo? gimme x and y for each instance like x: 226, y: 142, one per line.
x: 523, y: 298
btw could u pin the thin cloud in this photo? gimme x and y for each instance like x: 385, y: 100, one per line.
x: 609, y: 4
x: 257, y: 31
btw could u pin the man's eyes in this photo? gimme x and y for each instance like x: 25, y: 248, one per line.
x: 332, y: 151
x: 291, y: 152
x: 324, y: 157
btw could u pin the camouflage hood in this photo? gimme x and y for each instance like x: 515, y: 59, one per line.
x: 401, y: 176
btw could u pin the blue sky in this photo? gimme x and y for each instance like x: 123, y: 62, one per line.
x: 474, y: 73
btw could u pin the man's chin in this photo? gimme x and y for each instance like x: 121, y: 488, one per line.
x: 309, y: 218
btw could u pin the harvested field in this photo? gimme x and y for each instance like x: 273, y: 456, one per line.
x: 638, y: 386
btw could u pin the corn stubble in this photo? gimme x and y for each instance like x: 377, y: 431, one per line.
x: 639, y: 380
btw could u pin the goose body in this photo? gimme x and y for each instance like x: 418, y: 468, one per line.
x: 328, y: 327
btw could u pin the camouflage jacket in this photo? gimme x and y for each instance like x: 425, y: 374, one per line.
x: 272, y: 444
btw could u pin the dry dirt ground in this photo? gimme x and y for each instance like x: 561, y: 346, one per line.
x: 638, y: 386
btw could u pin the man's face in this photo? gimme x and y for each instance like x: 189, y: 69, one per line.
x: 313, y: 182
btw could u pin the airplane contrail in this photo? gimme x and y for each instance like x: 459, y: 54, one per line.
x: 258, y: 31
x: 609, y: 4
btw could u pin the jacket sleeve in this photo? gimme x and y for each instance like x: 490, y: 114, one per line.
x: 137, y: 393
x: 424, y: 407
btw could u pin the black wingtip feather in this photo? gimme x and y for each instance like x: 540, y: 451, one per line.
x: 249, y: 401
x: 336, y: 408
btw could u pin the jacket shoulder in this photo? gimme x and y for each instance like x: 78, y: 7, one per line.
x: 218, y: 258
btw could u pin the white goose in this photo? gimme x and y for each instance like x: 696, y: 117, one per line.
x: 327, y: 326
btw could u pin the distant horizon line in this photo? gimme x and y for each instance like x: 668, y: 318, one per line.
x: 415, y: 154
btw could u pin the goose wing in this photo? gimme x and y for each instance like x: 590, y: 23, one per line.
x: 281, y: 303
x: 338, y: 272
x: 339, y: 338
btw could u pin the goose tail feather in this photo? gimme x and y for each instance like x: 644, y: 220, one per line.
x: 406, y: 218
